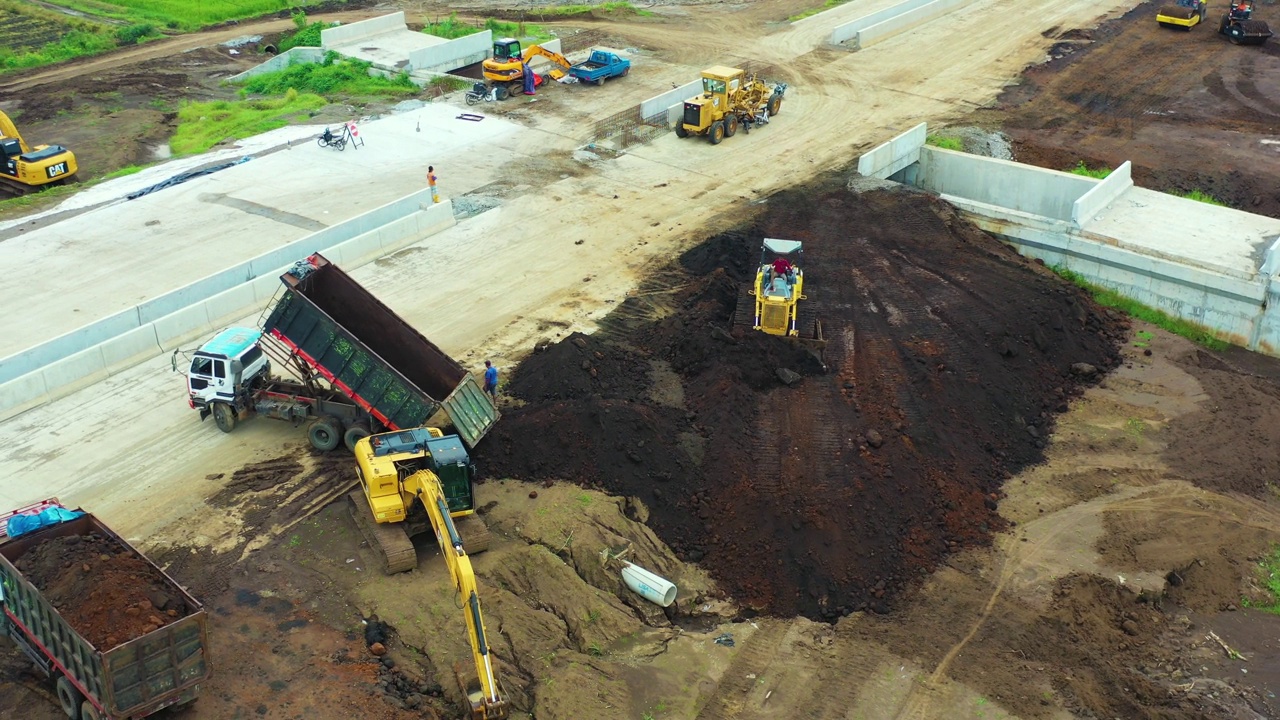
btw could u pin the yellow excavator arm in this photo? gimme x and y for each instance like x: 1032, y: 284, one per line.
x: 560, y: 64
x: 486, y: 701
x: 9, y: 130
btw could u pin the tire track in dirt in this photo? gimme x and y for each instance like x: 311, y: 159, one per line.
x: 740, y: 678
x: 1244, y: 512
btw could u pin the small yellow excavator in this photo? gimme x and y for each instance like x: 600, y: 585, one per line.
x: 24, y: 168
x: 505, y: 70
x: 421, y: 473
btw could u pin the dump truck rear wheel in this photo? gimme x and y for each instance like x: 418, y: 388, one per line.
x: 68, y: 697
x: 355, y: 434
x: 224, y: 417
x: 89, y: 712
x: 324, y: 435
x: 716, y: 134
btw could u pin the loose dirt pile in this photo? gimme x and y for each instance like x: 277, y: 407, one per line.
x: 948, y: 356
x: 109, y: 595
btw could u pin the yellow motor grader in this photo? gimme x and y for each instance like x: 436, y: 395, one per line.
x: 729, y: 100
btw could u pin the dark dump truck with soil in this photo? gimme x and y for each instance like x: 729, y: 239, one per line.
x: 54, y: 605
x: 361, y: 368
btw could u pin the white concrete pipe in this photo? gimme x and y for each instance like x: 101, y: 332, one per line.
x: 656, y: 590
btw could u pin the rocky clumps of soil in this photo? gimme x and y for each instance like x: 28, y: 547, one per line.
x: 108, y: 594
x: 947, y: 358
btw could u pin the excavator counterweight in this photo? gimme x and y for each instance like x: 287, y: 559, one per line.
x: 24, y: 168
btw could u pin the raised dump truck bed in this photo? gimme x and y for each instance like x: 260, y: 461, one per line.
x: 110, y: 650
x: 350, y: 338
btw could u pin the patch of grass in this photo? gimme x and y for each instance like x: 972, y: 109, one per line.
x: 205, y: 124
x: 621, y: 8
x: 76, y: 43
x: 134, y: 34
x: 182, y: 15
x: 448, y: 83
x: 1109, y: 298
x: 122, y: 172
x: 307, y: 34
x: 1203, y: 197
x: 1143, y: 340
x: 1269, y: 577
x: 18, y: 204
x: 522, y: 30
x: 451, y: 28
x: 814, y: 11
x: 946, y: 142
x: 595, y: 650
x: 334, y: 76
x: 1085, y: 170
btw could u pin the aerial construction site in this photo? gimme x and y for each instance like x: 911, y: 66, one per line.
x: 877, y: 360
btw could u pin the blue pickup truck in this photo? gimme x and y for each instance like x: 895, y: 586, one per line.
x: 600, y: 66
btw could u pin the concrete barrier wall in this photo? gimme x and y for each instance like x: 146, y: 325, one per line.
x: 848, y: 31
x: 1102, y: 194
x: 657, y: 104
x: 346, y: 34
x: 281, y: 61
x: 895, y: 155
x: 1002, y: 183
x: 453, y: 54
x: 200, y: 319
x: 913, y: 17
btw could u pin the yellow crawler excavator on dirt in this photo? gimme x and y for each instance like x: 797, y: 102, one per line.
x: 505, y: 70
x: 420, y: 475
x: 399, y: 472
x: 24, y: 168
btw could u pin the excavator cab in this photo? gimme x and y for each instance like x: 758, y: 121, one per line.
x: 506, y: 50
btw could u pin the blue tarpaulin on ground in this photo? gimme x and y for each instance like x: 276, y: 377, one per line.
x: 22, y: 524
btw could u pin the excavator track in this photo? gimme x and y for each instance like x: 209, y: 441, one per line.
x: 389, y: 541
x: 744, y: 313
x: 475, y: 534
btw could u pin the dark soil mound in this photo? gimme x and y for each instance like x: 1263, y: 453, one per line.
x: 109, y: 595
x: 580, y: 366
x: 947, y: 357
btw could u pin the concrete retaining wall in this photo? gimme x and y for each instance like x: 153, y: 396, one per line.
x: 282, y: 61
x: 82, y: 357
x: 453, y: 54
x: 1002, y: 183
x: 1046, y: 214
x: 346, y: 34
x: 848, y: 31
x: 906, y: 20
x: 895, y: 155
x: 1102, y: 194
x: 670, y: 98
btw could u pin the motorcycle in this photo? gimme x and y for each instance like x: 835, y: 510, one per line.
x: 480, y: 93
x: 337, y: 141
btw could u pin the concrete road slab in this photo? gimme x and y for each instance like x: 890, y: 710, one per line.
x: 388, y: 49
x: 111, y: 258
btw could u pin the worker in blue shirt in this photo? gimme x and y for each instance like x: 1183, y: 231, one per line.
x: 491, y: 380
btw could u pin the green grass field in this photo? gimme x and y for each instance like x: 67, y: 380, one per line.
x: 331, y: 78
x: 183, y: 15
x: 452, y: 28
x: 203, y: 125
x: 31, y: 36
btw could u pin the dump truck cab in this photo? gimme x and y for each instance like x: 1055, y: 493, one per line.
x: 719, y: 83
x: 777, y: 293
x: 224, y: 368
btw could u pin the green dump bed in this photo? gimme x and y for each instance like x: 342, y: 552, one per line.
x: 161, y: 668
x: 347, y: 336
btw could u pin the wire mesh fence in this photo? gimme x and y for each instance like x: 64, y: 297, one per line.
x: 629, y: 128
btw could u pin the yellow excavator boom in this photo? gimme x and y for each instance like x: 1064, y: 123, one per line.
x: 487, y: 703
x: 560, y: 64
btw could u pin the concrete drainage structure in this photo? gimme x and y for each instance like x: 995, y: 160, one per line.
x: 1213, y: 266
x: 883, y: 24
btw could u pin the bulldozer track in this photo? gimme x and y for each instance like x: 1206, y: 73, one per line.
x: 394, y: 548
x: 744, y: 674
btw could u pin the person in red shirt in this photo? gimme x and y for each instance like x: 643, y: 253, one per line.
x: 781, y: 268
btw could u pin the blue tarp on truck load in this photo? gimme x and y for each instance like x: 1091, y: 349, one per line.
x: 22, y: 524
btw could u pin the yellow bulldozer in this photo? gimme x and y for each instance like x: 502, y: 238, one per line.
x: 505, y: 70
x: 729, y: 100
x: 416, y: 480
x: 24, y: 168
x: 773, y: 304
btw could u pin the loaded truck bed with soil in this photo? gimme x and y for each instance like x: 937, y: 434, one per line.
x: 362, y: 369
x: 115, y: 635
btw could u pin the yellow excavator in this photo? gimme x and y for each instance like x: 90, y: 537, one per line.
x: 505, y: 70
x: 421, y: 473
x: 24, y: 168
